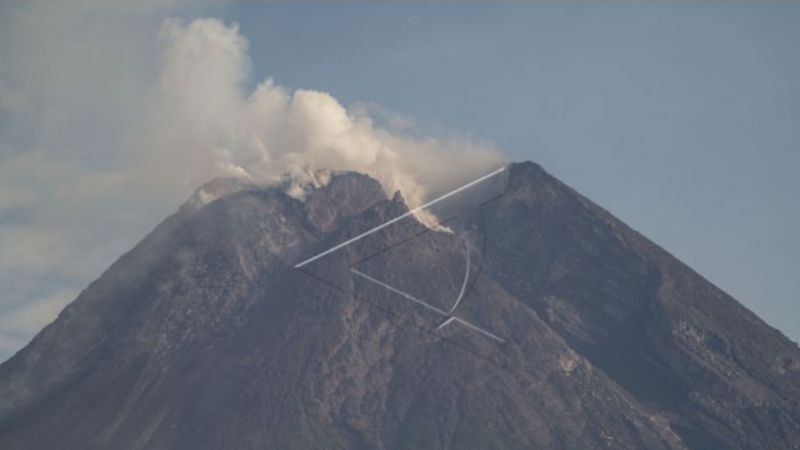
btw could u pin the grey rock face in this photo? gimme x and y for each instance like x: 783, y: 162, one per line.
x: 205, y: 335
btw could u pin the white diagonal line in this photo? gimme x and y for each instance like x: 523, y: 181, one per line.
x: 479, y: 329
x: 445, y: 323
x: 429, y: 306
x: 398, y: 218
x: 399, y: 292
x: 464, y: 284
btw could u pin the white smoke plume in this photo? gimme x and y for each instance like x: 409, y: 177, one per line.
x: 111, y: 116
x: 205, y: 117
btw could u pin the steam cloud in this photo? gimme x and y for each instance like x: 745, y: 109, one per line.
x: 204, y: 113
x: 110, y: 116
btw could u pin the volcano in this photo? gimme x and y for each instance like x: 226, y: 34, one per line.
x: 525, y: 317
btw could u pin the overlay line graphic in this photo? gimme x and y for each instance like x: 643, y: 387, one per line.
x: 450, y: 318
x: 399, y: 218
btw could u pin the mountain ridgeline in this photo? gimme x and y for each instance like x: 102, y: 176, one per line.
x: 530, y: 319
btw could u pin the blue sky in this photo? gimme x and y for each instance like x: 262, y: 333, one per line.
x: 683, y: 119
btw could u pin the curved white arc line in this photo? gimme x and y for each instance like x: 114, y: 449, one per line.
x: 464, y: 284
x: 449, y: 320
x: 398, y: 292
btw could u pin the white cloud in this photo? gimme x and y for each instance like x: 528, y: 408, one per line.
x: 202, y: 108
x: 117, y: 114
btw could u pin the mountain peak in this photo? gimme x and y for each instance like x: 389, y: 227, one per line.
x: 541, y: 321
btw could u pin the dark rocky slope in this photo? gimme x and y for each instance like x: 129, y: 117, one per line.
x: 205, y: 336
